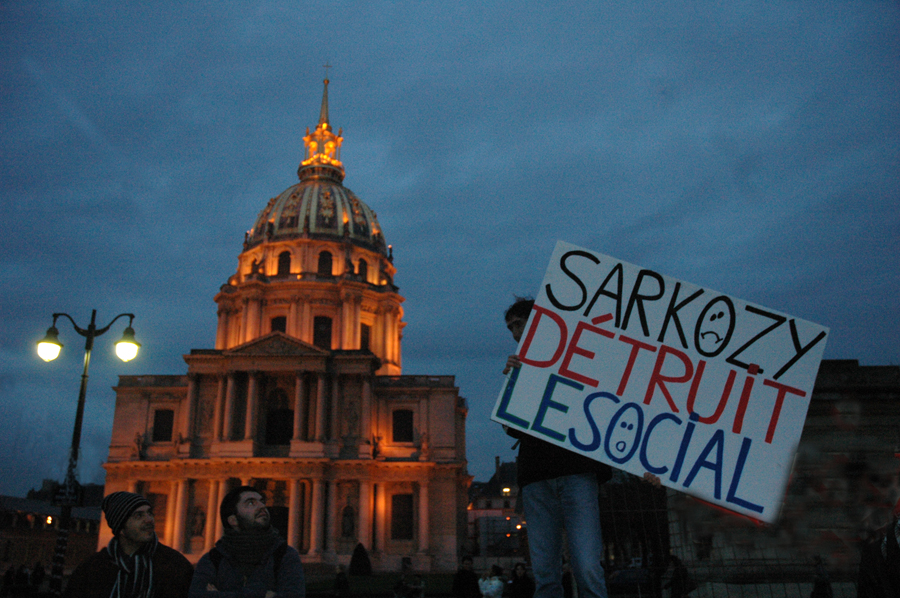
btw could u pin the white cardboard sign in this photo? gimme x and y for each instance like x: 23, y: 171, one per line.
x: 648, y: 373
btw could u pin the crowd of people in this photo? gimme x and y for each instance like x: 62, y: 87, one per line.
x: 493, y: 583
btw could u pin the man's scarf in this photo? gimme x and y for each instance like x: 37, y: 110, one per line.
x: 250, y: 547
x: 135, y: 577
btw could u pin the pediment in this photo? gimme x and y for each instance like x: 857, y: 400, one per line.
x: 277, y: 343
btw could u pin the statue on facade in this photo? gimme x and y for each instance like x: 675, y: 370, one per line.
x: 198, y: 522
x: 137, y: 448
x: 376, y: 446
x: 423, y: 447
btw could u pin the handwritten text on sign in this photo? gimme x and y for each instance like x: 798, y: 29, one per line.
x: 648, y: 373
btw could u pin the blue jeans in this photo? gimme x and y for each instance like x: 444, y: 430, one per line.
x: 568, y: 502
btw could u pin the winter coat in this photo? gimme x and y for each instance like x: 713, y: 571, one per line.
x: 96, y: 577
x: 231, y: 583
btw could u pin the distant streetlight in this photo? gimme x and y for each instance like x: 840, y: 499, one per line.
x: 48, y: 349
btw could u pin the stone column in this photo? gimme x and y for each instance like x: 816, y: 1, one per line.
x: 253, y: 310
x: 293, y: 320
x: 220, y: 525
x: 228, y: 415
x: 187, y: 416
x: 380, y: 508
x: 365, y: 416
x: 294, y: 521
x: 245, y: 317
x: 171, y: 503
x: 320, y: 408
x: 252, y: 402
x: 379, y: 334
x: 424, y: 527
x: 306, y: 334
x: 318, y: 511
x: 331, y: 515
x: 365, y: 513
x: 212, y: 515
x: 219, y: 409
x: 222, y: 328
x: 299, y: 393
x: 335, y: 407
x: 181, y: 515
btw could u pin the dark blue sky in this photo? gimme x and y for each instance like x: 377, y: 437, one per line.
x: 749, y: 147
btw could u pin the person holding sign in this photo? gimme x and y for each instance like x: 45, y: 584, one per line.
x: 559, y: 490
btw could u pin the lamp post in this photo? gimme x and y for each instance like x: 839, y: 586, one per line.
x: 48, y: 349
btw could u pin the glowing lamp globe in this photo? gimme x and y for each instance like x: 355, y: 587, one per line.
x: 127, y: 348
x: 49, y: 347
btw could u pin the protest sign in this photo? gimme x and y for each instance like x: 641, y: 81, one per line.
x: 648, y: 373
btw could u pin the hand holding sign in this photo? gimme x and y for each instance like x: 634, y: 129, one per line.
x: 646, y: 373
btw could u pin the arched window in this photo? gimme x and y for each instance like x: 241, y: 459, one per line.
x: 402, y: 429
x: 322, y: 332
x: 279, y: 324
x: 284, y: 263
x: 324, y: 268
x: 363, y: 270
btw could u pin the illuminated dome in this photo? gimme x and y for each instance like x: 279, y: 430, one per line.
x: 319, y: 206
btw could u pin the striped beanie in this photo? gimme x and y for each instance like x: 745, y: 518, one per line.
x: 119, y: 506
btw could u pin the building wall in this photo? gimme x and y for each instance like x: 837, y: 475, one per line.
x: 332, y: 485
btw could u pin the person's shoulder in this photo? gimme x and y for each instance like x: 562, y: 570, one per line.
x: 289, y: 555
x: 171, y: 563
x: 95, y: 576
x: 170, y: 554
x: 99, y: 559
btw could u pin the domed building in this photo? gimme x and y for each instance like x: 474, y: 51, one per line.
x: 302, y: 396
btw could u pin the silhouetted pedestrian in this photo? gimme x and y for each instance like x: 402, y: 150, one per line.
x: 465, y: 581
x: 521, y: 586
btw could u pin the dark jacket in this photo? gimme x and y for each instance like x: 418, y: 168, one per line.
x: 521, y: 587
x: 879, y: 576
x: 230, y: 583
x: 96, y: 576
x: 539, y: 460
x: 465, y: 584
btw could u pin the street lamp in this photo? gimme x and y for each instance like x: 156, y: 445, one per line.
x: 48, y: 349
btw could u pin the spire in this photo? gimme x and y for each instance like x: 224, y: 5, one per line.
x: 323, y: 147
x: 323, y: 114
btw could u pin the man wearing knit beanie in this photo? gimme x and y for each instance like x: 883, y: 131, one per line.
x: 251, y: 559
x: 134, y: 564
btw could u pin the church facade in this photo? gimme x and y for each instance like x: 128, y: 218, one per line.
x: 303, y: 397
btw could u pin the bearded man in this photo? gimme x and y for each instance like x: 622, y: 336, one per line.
x: 251, y: 559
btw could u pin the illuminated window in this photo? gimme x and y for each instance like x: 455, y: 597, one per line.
x: 402, y: 517
x: 402, y: 425
x: 163, y: 420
